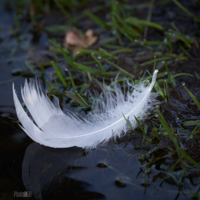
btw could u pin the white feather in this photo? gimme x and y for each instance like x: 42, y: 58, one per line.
x: 53, y: 128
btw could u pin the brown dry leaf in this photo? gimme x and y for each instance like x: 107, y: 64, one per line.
x: 89, y: 38
x: 73, y: 38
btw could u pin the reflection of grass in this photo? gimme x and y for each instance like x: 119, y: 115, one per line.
x: 87, y: 68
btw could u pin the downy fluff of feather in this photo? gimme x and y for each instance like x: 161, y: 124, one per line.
x: 53, y: 128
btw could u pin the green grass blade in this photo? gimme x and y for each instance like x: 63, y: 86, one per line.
x: 99, y: 53
x: 75, y: 91
x: 182, y: 74
x: 128, y: 122
x: 120, y: 69
x: 185, y: 10
x: 83, y: 88
x: 192, y: 96
x: 59, y: 74
x: 99, y: 63
x: 191, y: 123
x: 155, y: 60
x: 189, y: 158
x: 101, y: 23
x: 140, y: 125
x: 66, y: 56
x: 86, y: 68
x: 137, y: 22
x: 75, y: 98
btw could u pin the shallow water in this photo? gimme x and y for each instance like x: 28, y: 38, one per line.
x: 110, y: 172
x: 103, y: 173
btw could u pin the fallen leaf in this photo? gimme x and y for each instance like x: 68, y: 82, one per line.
x: 89, y: 38
x: 73, y: 38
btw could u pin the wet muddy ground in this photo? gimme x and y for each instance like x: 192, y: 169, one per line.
x: 118, y: 170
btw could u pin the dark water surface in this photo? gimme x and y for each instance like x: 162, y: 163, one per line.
x: 110, y: 172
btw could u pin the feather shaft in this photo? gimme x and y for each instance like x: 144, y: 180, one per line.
x: 55, y: 129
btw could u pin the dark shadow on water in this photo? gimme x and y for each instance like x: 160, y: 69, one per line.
x: 45, y: 172
x: 103, y: 173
